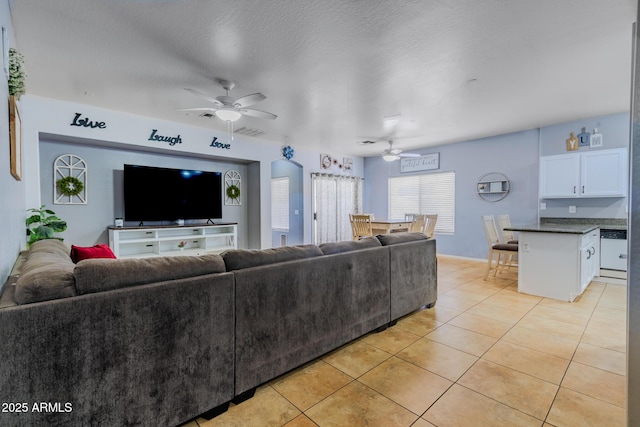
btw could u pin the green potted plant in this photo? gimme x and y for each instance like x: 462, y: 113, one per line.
x: 42, y: 224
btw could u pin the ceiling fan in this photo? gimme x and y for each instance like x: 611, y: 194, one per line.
x: 391, y: 154
x: 230, y: 109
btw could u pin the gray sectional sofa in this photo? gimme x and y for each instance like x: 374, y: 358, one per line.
x: 159, y: 341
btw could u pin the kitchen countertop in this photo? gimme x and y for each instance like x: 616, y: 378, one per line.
x: 555, y: 228
x: 603, y: 223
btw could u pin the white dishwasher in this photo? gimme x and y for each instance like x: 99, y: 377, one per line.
x: 613, y: 253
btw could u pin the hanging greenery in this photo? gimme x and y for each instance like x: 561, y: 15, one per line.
x: 69, y: 186
x: 17, y: 73
x: 233, y: 192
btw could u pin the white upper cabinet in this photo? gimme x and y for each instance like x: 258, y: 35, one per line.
x: 559, y: 176
x: 600, y: 173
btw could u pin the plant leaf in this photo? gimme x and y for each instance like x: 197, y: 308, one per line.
x: 58, y: 226
x: 33, y: 219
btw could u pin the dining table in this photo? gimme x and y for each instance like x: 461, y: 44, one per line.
x: 386, y: 227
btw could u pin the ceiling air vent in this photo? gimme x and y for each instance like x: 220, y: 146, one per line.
x: 248, y: 131
x: 207, y: 115
x: 366, y: 142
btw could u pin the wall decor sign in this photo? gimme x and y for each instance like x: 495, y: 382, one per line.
x: 331, y: 163
x: 86, y: 123
x: 422, y: 163
x: 572, y: 142
x: 70, y: 180
x: 347, y: 165
x: 232, y: 184
x: 596, y: 139
x: 584, y: 138
x: 15, y: 139
x: 172, y: 140
x: 217, y: 144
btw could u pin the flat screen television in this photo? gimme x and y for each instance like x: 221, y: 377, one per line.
x: 162, y: 194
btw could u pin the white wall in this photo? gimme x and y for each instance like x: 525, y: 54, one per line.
x: 52, y: 118
x: 12, y: 193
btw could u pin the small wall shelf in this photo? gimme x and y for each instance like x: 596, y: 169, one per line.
x: 493, y: 187
x: 144, y: 242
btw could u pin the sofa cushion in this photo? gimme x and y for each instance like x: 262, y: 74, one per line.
x: 395, y: 238
x: 349, y: 245
x: 237, y: 259
x: 50, y: 246
x: 78, y: 253
x: 46, y: 274
x: 103, y: 274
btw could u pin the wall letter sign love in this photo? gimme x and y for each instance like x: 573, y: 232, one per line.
x: 220, y: 145
x: 77, y: 121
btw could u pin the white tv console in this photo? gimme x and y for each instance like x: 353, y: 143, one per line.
x: 141, y: 242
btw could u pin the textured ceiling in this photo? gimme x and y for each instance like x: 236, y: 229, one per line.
x: 332, y: 70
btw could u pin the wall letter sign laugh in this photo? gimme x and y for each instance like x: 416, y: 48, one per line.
x: 172, y: 140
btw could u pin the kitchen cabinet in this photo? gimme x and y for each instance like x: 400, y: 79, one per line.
x: 598, y: 173
x: 557, y: 262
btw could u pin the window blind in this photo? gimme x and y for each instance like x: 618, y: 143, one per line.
x: 432, y: 193
x: 280, y: 203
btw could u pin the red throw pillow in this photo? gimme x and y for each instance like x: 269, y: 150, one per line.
x: 78, y: 253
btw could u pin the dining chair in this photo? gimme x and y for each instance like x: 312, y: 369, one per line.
x: 505, y: 251
x: 410, y: 217
x: 431, y: 225
x: 360, y: 226
x: 507, y: 235
x: 418, y: 224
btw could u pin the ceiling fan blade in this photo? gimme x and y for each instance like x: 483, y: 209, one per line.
x: 198, y: 109
x: 257, y: 113
x: 205, y: 97
x: 248, y: 100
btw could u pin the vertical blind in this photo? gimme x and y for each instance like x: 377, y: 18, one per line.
x: 432, y: 193
x: 280, y: 203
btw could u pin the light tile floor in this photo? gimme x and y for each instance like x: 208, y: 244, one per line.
x: 484, y: 356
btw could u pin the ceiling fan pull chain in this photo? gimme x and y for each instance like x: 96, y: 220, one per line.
x: 230, y: 130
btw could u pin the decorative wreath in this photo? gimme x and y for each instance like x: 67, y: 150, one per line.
x: 70, y: 186
x: 287, y: 152
x: 233, y: 192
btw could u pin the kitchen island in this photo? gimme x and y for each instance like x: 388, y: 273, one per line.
x: 557, y: 260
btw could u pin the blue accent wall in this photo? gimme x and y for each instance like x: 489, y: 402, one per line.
x: 514, y: 155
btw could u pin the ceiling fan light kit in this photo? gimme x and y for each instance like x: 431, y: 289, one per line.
x: 228, y: 115
x: 392, y: 154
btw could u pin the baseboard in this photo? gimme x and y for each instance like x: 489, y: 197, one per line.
x: 462, y: 258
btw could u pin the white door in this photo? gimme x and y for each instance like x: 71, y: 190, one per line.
x: 604, y: 173
x: 559, y: 176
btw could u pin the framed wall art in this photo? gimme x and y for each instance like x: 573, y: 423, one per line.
x: 15, y: 139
